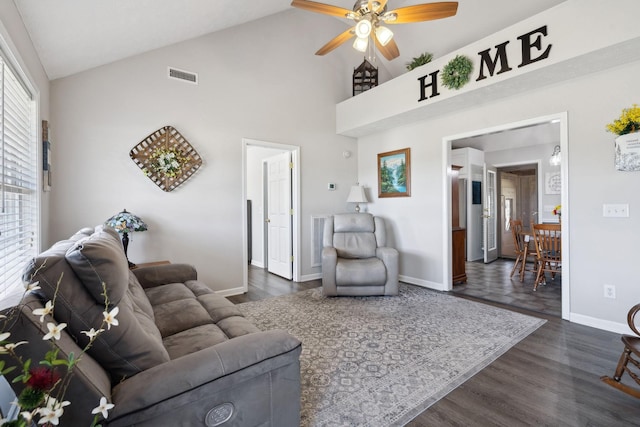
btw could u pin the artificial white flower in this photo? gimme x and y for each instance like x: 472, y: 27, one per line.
x: 54, y: 330
x: 92, y: 333
x: 103, y: 408
x: 52, y: 416
x: 4, y: 349
x: 110, y: 317
x: 48, y: 309
x: 28, y: 416
x: 52, y: 402
x: 4, y: 336
x: 32, y: 286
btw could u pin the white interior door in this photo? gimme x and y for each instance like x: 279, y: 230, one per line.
x: 280, y: 245
x: 490, y: 210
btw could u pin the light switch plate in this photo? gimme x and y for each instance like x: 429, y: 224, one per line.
x: 615, y: 210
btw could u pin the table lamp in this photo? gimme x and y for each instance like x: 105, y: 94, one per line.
x: 357, y: 196
x: 125, y: 223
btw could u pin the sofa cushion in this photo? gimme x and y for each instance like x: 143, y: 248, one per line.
x: 179, y: 315
x: 355, y: 245
x: 124, y: 350
x: 194, y: 339
x: 100, y: 260
x: 356, y: 222
x: 360, y: 272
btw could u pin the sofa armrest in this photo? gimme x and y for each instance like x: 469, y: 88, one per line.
x: 389, y: 257
x: 329, y: 264
x: 250, y: 355
x: 150, y: 277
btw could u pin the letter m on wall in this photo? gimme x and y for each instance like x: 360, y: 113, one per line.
x: 491, y: 63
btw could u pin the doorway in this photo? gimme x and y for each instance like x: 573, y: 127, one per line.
x: 518, y: 189
x: 271, y: 232
x: 530, y: 139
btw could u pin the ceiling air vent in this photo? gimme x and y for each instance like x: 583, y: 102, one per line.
x: 186, y: 76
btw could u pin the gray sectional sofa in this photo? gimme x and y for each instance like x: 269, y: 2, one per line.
x: 181, y: 354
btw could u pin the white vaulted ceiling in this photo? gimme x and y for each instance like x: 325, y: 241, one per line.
x: 75, y: 35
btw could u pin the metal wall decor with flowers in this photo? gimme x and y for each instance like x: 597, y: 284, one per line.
x: 166, y: 158
x: 627, y: 144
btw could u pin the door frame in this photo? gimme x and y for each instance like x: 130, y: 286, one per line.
x: 295, y: 193
x: 562, y: 117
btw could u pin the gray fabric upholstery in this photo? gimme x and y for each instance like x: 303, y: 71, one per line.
x: 78, y: 270
x: 179, y: 350
x: 355, y: 260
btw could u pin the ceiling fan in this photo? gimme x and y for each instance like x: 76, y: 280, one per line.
x: 369, y: 15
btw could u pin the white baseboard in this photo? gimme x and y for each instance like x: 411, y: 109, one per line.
x: 310, y: 277
x: 607, y: 325
x: 257, y: 264
x: 424, y: 283
x: 231, y: 292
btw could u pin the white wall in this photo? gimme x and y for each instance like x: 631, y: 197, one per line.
x: 15, y: 36
x: 601, y: 249
x: 257, y: 81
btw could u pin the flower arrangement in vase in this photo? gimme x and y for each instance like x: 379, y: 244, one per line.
x: 558, y: 212
x: 627, y: 144
x: 42, y: 398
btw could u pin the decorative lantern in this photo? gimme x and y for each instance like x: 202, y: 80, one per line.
x: 364, y: 77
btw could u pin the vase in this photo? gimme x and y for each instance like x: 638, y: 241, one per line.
x: 628, y: 152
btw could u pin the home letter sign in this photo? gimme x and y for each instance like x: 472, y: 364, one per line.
x: 531, y: 50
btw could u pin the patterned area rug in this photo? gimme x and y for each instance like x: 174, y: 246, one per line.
x: 381, y: 361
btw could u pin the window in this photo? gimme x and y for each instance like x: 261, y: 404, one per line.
x: 18, y: 171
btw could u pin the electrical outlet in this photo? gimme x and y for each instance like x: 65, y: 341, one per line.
x: 615, y: 211
x: 609, y: 291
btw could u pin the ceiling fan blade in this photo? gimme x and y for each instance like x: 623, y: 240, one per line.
x: 325, y: 9
x: 422, y: 12
x: 390, y: 51
x: 336, y: 41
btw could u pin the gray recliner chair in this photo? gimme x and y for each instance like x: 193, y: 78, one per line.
x: 355, y: 261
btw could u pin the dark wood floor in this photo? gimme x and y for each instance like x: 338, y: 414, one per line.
x: 493, y: 282
x: 551, y: 378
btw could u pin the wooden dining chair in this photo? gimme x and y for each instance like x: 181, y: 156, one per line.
x: 627, y: 362
x: 523, y: 250
x: 548, y: 243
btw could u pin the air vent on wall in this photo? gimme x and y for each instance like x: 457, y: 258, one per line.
x: 317, y: 231
x: 183, y: 75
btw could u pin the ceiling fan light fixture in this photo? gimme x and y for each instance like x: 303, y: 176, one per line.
x: 384, y: 35
x: 361, y: 43
x: 389, y: 17
x: 363, y: 28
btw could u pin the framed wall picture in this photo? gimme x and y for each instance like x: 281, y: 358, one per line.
x: 394, y: 173
x: 552, y: 183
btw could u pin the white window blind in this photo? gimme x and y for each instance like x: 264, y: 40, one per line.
x: 18, y: 171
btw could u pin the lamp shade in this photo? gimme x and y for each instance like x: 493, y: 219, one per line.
x: 384, y: 35
x: 361, y: 43
x: 356, y: 195
x: 126, y: 222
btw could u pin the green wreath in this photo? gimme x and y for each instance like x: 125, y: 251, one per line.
x: 456, y: 73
